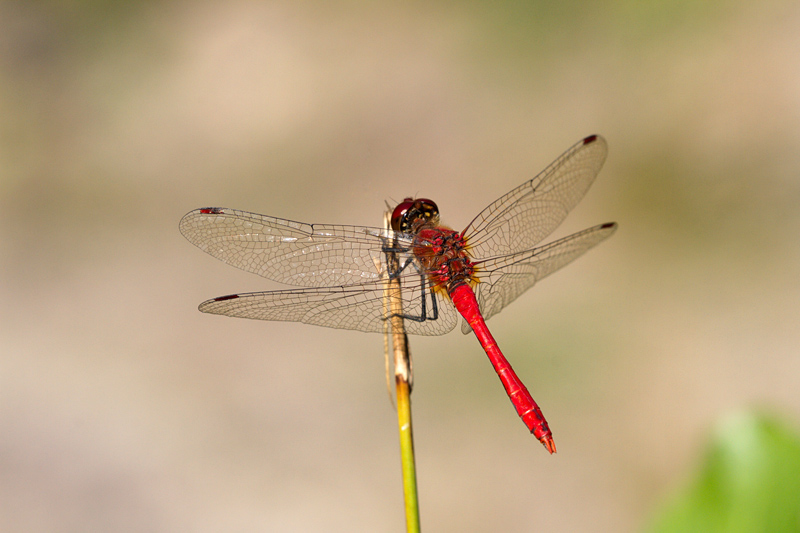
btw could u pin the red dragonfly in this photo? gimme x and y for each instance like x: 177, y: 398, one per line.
x: 442, y: 273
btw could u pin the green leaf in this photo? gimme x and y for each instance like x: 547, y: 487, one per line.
x: 749, y: 482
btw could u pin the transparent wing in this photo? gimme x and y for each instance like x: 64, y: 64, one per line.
x: 358, y: 307
x: 310, y: 255
x: 522, y: 218
x: 503, y: 279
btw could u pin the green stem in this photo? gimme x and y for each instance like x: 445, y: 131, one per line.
x: 407, y: 454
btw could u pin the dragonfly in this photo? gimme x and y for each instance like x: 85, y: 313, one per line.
x: 444, y: 275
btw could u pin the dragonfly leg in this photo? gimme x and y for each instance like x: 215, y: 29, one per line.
x: 434, y: 314
x: 391, y: 256
x: 396, y: 273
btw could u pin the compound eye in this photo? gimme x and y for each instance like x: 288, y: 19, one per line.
x: 426, y: 209
x: 410, y: 210
x: 399, y: 214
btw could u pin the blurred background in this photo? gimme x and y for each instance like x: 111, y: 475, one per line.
x: 122, y: 408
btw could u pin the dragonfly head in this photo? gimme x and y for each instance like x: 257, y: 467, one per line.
x: 411, y: 212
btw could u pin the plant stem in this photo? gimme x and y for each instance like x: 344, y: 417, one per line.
x: 403, y: 382
x: 407, y: 455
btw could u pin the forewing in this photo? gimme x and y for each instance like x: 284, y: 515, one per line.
x: 503, y: 279
x: 310, y: 255
x: 522, y: 218
x: 358, y: 307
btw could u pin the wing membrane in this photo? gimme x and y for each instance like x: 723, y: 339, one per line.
x: 310, y: 255
x: 357, y: 307
x: 503, y: 279
x: 522, y: 218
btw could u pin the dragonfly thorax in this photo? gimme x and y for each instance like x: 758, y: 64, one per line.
x: 443, y: 255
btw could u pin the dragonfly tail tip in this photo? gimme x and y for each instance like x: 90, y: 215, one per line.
x: 550, y: 445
